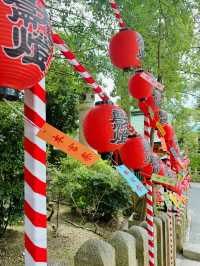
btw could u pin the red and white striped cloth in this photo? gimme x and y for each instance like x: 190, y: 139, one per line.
x: 149, y: 203
x: 117, y: 13
x: 71, y: 58
x: 35, y: 177
x: 150, y: 222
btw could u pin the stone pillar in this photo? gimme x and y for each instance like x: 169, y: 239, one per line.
x: 95, y: 252
x: 179, y: 235
x: 164, y: 218
x: 174, y: 234
x: 159, y: 230
x: 125, y: 248
x: 86, y: 104
x: 141, y: 237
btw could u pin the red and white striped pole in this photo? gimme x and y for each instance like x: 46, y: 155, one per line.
x: 71, y: 58
x: 117, y: 13
x: 149, y: 202
x: 35, y: 177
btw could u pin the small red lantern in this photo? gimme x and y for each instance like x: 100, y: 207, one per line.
x: 136, y: 152
x: 139, y: 88
x: 147, y: 171
x: 25, y: 45
x: 105, y: 127
x: 126, y: 48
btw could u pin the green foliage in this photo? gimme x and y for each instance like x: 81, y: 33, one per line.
x: 169, y: 32
x: 98, y: 191
x: 11, y: 166
x: 63, y: 98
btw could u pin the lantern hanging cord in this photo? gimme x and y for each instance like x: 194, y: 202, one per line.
x: 117, y: 13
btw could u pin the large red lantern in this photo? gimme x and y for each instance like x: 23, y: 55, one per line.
x: 139, y: 88
x: 126, y: 48
x: 25, y: 45
x: 136, y: 152
x: 106, y: 127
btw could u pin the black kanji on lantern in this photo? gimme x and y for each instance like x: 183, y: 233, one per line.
x: 28, y: 12
x: 32, y: 38
x: 120, y: 126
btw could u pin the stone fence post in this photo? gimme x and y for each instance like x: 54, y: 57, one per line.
x: 125, y: 248
x: 95, y: 253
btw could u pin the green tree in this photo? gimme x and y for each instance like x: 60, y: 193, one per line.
x: 168, y: 29
x: 11, y: 166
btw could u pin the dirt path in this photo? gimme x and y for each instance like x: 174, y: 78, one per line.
x: 60, y: 248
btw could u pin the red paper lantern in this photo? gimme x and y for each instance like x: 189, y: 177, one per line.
x: 147, y: 171
x: 25, y: 45
x: 105, y: 127
x: 126, y: 48
x: 139, y: 88
x: 136, y: 152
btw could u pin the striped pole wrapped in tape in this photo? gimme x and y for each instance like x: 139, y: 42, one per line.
x: 117, y: 13
x: 71, y: 58
x: 149, y: 203
x: 35, y: 177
